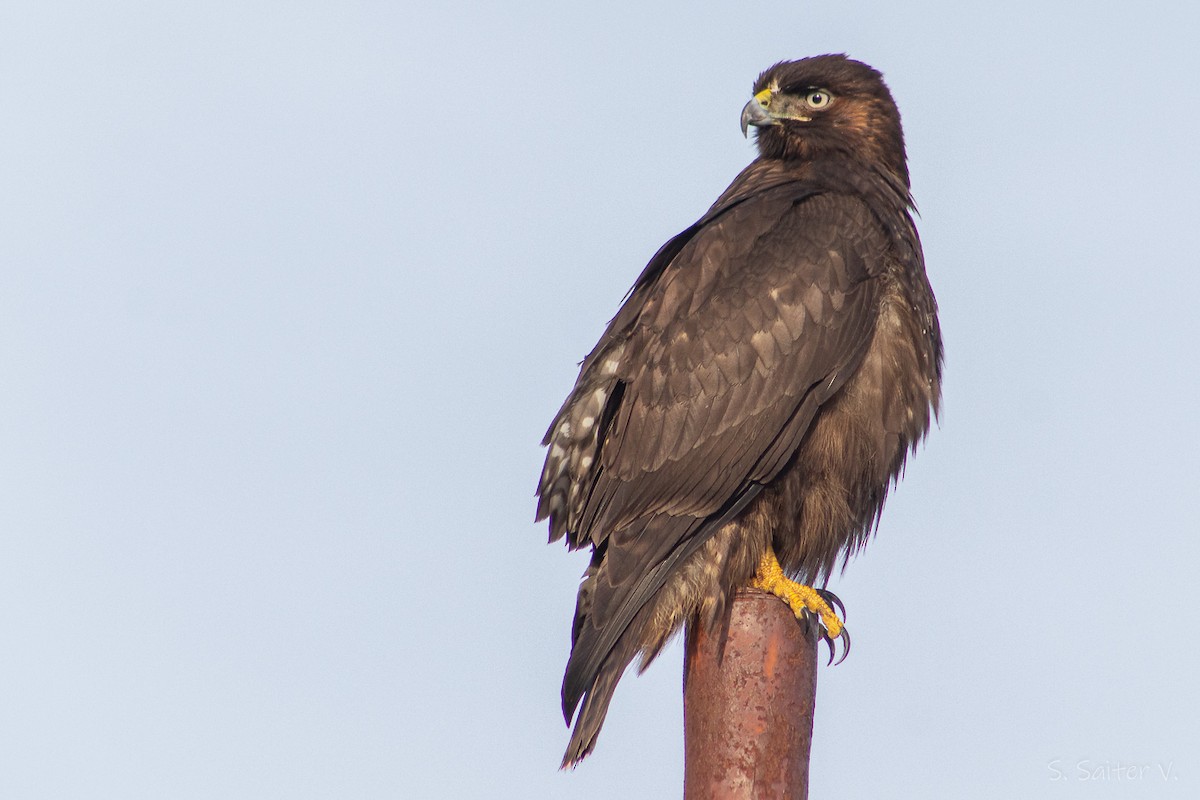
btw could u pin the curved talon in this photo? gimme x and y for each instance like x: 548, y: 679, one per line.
x: 813, y: 626
x: 833, y: 600
x: 832, y: 642
x: 814, y: 607
x: 845, y: 646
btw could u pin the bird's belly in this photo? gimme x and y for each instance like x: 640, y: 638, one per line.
x: 828, y: 502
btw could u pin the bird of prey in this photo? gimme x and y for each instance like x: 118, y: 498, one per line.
x: 744, y: 414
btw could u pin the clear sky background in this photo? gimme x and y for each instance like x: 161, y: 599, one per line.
x: 290, y: 291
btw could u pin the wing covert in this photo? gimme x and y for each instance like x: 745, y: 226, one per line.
x: 767, y: 306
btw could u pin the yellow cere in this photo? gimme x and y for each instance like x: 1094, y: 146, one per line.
x: 764, y: 98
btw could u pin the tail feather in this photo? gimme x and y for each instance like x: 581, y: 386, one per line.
x: 596, y: 699
x: 613, y: 614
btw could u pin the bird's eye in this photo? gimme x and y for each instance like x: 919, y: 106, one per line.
x: 818, y: 98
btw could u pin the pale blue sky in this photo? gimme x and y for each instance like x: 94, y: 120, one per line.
x: 289, y: 291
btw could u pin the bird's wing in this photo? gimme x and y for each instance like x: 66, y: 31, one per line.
x: 769, y: 305
x: 703, y: 392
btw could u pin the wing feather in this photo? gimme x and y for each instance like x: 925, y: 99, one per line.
x: 707, y: 381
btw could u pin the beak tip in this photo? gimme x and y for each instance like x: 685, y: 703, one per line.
x: 754, y: 114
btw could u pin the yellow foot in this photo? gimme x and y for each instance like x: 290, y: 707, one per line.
x: 805, y: 602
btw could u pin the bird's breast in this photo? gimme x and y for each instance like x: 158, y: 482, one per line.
x: 829, y: 501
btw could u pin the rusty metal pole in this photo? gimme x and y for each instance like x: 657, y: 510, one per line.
x: 748, y: 712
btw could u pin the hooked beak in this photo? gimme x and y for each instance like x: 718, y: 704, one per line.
x: 755, y: 112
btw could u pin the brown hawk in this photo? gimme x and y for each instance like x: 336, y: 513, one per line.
x: 745, y: 413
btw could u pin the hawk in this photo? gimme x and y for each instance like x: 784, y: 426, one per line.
x: 744, y: 414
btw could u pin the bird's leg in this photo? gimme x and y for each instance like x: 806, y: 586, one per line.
x: 805, y: 601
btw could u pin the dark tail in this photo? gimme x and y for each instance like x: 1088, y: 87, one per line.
x: 596, y: 698
x: 613, y: 614
x: 594, y: 666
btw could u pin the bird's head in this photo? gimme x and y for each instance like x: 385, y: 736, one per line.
x: 825, y: 105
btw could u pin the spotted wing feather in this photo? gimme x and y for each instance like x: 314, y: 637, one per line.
x: 698, y: 395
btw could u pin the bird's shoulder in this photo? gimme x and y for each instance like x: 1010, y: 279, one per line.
x: 727, y: 344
